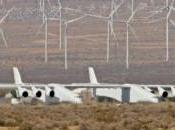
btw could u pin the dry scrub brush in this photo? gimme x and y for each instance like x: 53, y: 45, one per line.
x: 90, y: 117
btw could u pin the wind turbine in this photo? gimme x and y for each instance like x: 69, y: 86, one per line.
x: 110, y: 25
x: 45, y: 23
x: 109, y: 19
x: 65, y: 37
x: 167, y: 29
x: 110, y: 28
x: 60, y: 14
x: 42, y: 9
x: 46, y: 41
x: 1, y: 30
x: 46, y: 36
x: 94, y: 16
x: 127, y: 33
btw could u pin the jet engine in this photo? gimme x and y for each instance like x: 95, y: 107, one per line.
x: 39, y: 94
x: 50, y: 92
x: 21, y: 93
x: 163, y: 93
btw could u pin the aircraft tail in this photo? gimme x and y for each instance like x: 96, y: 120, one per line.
x: 17, y: 76
x: 92, y: 76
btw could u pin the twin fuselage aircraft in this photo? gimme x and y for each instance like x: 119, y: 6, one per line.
x: 55, y: 93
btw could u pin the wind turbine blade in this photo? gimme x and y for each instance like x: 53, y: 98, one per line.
x: 71, y: 9
x: 84, y: 13
x: 115, y: 9
x: 111, y: 27
x: 76, y: 19
x: 6, y: 15
x: 3, y: 38
x: 113, y: 32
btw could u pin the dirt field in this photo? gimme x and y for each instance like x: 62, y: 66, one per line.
x: 89, y: 117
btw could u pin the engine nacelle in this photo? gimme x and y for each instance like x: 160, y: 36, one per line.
x: 21, y: 95
x: 163, y: 93
x: 50, y: 92
x: 23, y: 92
x: 38, y: 93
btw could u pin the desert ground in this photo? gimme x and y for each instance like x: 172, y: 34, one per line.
x: 86, y: 47
x: 89, y: 117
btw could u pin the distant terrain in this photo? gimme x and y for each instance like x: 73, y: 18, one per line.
x: 86, y: 46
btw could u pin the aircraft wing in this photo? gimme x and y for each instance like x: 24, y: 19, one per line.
x: 80, y: 85
x: 90, y: 85
x: 25, y: 85
x: 109, y: 85
x: 74, y: 85
x: 8, y: 86
x: 166, y: 87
